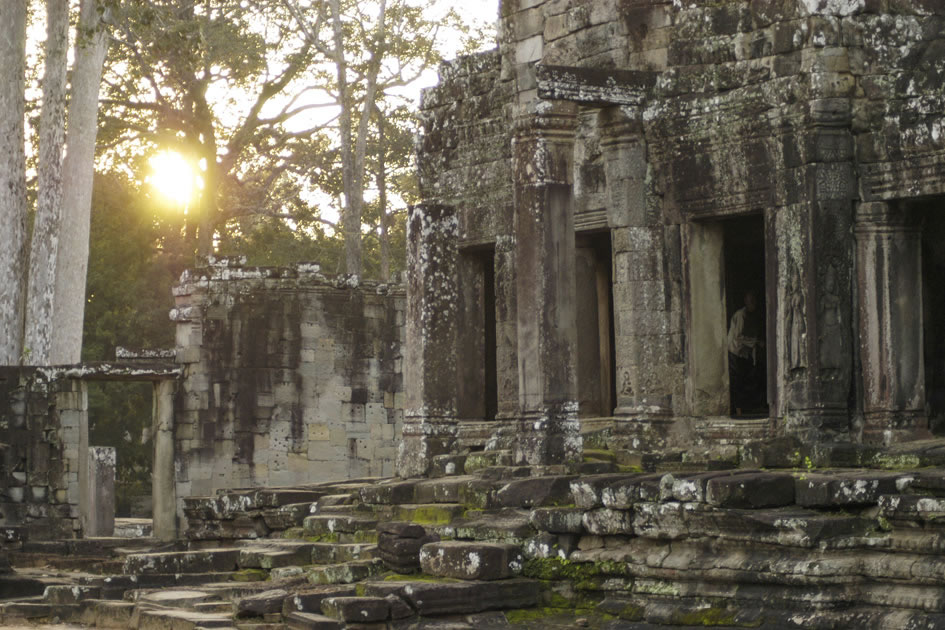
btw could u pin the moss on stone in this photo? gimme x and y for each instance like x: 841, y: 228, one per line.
x: 598, y: 455
x: 709, y: 617
x: 534, y: 614
x: 579, y: 573
x: 426, y: 514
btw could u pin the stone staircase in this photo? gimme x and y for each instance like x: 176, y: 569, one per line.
x: 503, y: 548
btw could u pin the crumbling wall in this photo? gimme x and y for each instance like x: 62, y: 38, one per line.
x: 289, y: 377
x: 39, y: 456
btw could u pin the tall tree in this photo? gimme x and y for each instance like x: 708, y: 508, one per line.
x: 78, y: 169
x: 12, y: 178
x: 44, y: 244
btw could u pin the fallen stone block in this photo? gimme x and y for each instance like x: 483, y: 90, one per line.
x: 624, y: 493
x: 470, y: 560
x: 346, y: 573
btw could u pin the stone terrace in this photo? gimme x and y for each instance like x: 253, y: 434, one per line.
x: 596, y: 545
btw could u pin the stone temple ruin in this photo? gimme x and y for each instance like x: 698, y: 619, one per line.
x: 555, y: 387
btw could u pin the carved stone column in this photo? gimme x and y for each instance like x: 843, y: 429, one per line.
x: 889, y: 279
x: 542, y: 152
x: 430, y: 355
x: 644, y: 326
x: 164, y: 491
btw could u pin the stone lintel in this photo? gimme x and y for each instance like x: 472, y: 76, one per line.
x: 594, y: 86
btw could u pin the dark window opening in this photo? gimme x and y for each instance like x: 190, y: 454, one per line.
x: 597, y: 385
x: 744, y: 264
x: 933, y: 315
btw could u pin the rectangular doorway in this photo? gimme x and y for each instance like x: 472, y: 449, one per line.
x: 728, y: 366
x: 744, y: 252
x: 478, y: 372
x: 594, y: 316
x: 933, y: 312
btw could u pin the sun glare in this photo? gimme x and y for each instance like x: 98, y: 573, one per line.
x: 173, y: 178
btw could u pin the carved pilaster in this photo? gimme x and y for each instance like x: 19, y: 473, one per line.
x: 542, y: 153
x: 889, y: 279
x: 430, y: 354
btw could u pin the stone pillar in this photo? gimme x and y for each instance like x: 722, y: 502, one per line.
x: 889, y: 281
x: 542, y: 151
x: 810, y: 287
x: 430, y: 353
x: 646, y: 320
x: 99, y: 513
x: 163, y: 483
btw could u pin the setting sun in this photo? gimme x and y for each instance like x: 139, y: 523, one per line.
x: 173, y: 177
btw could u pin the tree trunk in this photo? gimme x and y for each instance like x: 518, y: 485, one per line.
x: 45, y: 240
x: 12, y: 179
x: 382, y: 196
x: 351, y: 212
x: 78, y: 170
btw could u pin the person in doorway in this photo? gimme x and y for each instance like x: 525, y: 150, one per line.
x: 746, y: 362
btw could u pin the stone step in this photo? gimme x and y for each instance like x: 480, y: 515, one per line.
x: 106, y: 613
x: 133, y: 528
x: 341, y: 528
x: 70, y: 593
x: 276, y: 553
x: 309, y: 600
x: 459, y: 597
x: 156, y: 618
x: 344, y: 573
x: 286, y: 516
x: 173, y: 598
x: 357, y: 609
x: 202, y: 561
x: 506, y: 525
x: 471, y: 560
x: 263, y: 603
x: 430, y: 514
x: 312, y: 621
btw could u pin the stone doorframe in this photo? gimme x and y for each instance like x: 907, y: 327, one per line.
x: 164, y: 377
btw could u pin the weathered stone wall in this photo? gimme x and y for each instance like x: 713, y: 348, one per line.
x: 39, y: 482
x: 826, y: 119
x: 289, y: 377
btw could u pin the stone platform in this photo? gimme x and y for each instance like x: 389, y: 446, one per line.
x: 506, y: 547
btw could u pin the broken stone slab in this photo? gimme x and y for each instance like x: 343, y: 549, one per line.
x: 466, y: 490
x: 471, y: 560
x: 535, y: 492
x: 751, y: 491
x: 106, y: 614
x: 557, y: 520
x: 357, y: 609
x: 457, y: 598
x: 844, y: 489
x: 275, y: 553
x: 310, y: 599
x: 691, y: 488
x: 402, y: 529
x: 263, y: 603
